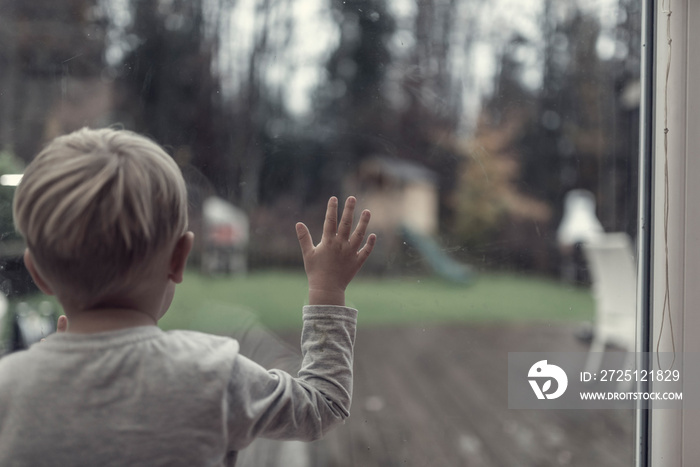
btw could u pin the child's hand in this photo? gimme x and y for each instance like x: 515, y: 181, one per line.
x: 331, y: 265
x: 62, y: 324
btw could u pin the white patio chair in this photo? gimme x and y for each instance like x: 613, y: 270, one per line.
x: 611, y: 266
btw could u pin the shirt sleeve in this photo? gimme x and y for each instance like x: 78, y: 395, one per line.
x: 273, y: 404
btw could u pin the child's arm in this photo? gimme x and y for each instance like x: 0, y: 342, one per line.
x: 332, y: 264
x: 273, y: 404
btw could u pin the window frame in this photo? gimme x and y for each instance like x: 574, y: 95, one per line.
x: 668, y: 437
x: 645, y: 189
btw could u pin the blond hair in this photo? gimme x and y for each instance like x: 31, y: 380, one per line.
x: 95, y: 205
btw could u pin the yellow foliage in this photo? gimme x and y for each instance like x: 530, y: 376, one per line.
x: 488, y: 193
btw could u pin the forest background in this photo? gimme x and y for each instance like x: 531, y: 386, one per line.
x: 273, y: 104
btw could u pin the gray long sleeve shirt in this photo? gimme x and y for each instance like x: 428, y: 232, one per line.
x: 142, y: 396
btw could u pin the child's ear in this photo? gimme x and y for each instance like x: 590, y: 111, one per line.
x: 178, y: 260
x: 38, y: 279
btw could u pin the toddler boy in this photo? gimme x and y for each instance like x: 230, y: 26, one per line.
x: 104, y: 215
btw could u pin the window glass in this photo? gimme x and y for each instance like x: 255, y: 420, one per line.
x: 490, y: 140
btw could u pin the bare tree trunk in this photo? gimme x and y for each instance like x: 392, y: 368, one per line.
x: 8, y: 76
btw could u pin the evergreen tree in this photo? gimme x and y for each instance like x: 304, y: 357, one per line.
x: 353, y: 103
x: 168, y: 86
x: 46, y: 47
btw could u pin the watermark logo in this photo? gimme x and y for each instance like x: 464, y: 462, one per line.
x: 542, y: 372
x: 623, y: 380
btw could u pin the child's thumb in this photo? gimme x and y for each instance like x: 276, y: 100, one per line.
x: 304, y: 237
x: 62, y: 324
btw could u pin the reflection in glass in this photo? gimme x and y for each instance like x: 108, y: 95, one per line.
x: 476, y: 118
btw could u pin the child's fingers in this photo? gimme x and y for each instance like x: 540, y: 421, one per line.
x: 360, y: 230
x: 346, y: 219
x: 62, y: 324
x: 304, y: 237
x: 330, y: 225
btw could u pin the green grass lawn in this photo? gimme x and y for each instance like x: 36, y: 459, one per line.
x: 208, y: 304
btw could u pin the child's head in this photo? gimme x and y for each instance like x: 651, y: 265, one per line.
x: 95, y: 207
